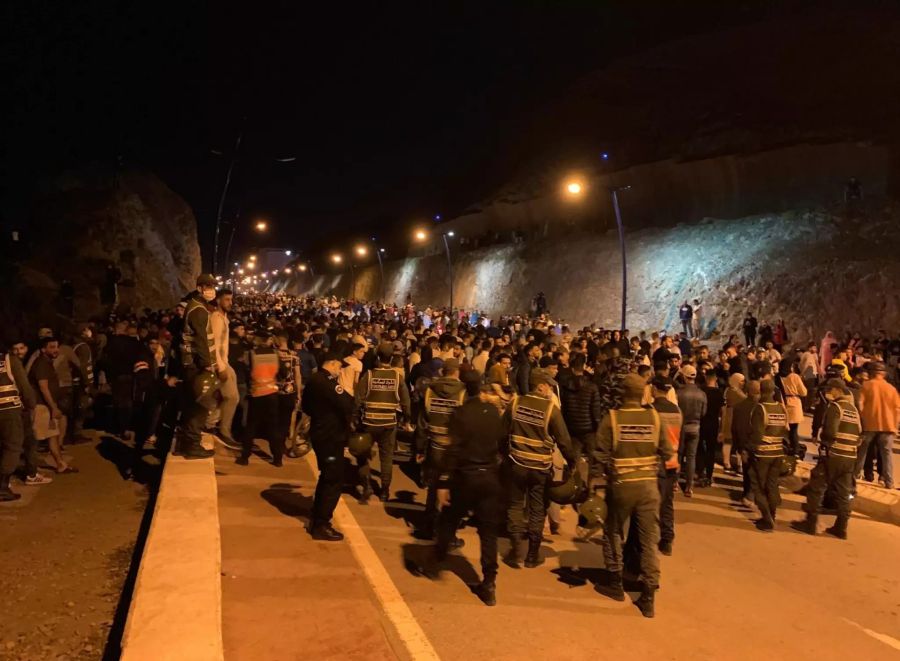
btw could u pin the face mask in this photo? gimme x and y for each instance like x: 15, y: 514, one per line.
x: 209, y: 295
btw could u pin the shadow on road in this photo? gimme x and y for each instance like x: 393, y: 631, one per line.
x: 288, y: 500
x: 420, y: 560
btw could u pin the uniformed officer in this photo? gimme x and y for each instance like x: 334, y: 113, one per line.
x: 14, y: 388
x: 768, y: 432
x: 442, y: 397
x: 629, y: 444
x: 841, y: 430
x: 329, y: 409
x: 381, y: 392
x: 470, y: 480
x: 197, y: 357
x: 536, y: 427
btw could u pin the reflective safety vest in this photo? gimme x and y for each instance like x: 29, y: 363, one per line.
x: 382, y: 398
x: 774, y: 427
x: 9, y: 392
x: 530, y: 443
x: 438, y: 411
x: 635, y: 438
x: 189, y: 340
x: 87, y: 363
x: 846, y: 439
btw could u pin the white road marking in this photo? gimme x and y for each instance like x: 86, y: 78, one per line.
x: 417, y: 644
x: 890, y: 641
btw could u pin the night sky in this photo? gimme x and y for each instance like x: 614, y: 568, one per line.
x: 393, y: 110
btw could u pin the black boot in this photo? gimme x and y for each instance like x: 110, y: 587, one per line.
x: 665, y: 547
x: 385, y: 494
x: 615, y: 589
x: 514, y: 557
x: 839, y: 529
x: 533, y: 559
x: 196, y: 451
x: 807, y: 525
x: 7, y: 494
x: 324, y: 532
x: 487, y: 592
x: 645, y: 601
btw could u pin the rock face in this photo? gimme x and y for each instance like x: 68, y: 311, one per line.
x: 133, y: 221
x: 815, y: 269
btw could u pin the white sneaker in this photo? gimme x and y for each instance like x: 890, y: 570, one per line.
x: 36, y: 480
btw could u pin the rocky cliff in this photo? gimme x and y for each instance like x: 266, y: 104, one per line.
x: 814, y: 268
x: 84, y: 222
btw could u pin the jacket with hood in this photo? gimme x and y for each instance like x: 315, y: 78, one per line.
x: 581, y: 405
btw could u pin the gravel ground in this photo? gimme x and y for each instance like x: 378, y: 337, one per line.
x: 66, y: 551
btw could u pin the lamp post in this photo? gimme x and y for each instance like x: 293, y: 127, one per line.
x: 422, y: 235
x: 378, y: 252
x: 576, y: 189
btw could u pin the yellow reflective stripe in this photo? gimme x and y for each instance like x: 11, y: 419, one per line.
x: 769, y: 447
x: 528, y: 441
x: 636, y: 461
x: 844, y: 447
x: 8, y: 389
x: 438, y: 430
x: 847, y: 437
x: 379, y: 416
x: 381, y: 405
x: 772, y: 439
x: 533, y: 456
x: 12, y: 399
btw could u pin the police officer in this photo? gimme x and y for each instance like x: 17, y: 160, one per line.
x: 629, y: 444
x: 841, y: 430
x: 536, y: 427
x: 381, y: 392
x: 442, y: 397
x: 197, y: 362
x: 768, y: 432
x: 470, y: 480
x: 329, y: 409
x: 14, y: 387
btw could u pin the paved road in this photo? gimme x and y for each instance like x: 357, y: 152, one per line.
x: 728, y: 592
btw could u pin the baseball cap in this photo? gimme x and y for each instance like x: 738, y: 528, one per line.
x: 689, y: 372
x: 206, y: 280
x: 540, y: 375
x: 45, y: 332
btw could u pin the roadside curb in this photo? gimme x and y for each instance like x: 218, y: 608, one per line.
x: 176, y: 609
x: 880, y: 504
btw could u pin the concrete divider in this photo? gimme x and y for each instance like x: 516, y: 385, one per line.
x: 176, y: 608
x: 880, y: 504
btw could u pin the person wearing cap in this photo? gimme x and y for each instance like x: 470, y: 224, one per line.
x: 536, y: 428
x: 837, y: 459
x: 768, y: 433
x: 443, y: 395
x: 878, y: 407
x: 381, y: 393
x: 197, y: 357
x: 329, y: 408
x: 692, y: 402
x: 626, y: 455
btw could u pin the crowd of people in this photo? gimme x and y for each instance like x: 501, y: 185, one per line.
x: 509, y: 419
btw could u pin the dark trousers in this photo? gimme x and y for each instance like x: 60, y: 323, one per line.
x: 386, y: 439
x: 581, y: 443
x: 764, y: 474
x: 638, y: 501
x: 686, y: 327
x: 29, y: 445
x: 793, y: 438
x: 809, y: 402
x: 476, y: 491
x: 122, y: 396
x: 687, y: 453
x: 527, y: 507
x: 193, y: 416
x: 286, y: 406
x: 666, y: 484
x: 706, y: 452
x: 12, y: 438
x: 834, y: 474
x: 262, y: 422
x: 749, y: 338
x: 330, y: 458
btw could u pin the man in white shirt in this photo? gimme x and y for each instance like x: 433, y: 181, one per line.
x: 352, y: 369
x: 479, y: 362
x: 229, y: 390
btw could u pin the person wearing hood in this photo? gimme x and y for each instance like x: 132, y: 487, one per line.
x: 837, y: 461
x: 443, y: 396
x: 581, y: 406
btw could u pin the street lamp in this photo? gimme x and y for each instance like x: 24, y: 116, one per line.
x: 288, y: 270
x: 573, y: 188
x: 421, y: 235
x: 261, y: 226
x: 378, y: 253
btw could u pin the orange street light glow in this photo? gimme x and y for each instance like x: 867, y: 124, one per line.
x: 574, y: 188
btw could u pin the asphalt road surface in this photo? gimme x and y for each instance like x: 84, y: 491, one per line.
x: 728, y: 592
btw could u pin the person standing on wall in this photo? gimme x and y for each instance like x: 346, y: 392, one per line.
x: 686, y: 315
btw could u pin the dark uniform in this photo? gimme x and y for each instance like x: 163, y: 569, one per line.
x: 536, y: 427
x: 288, y: 390
x: 14, y: 387
x: 329, y: 409
x: 768, y: 432
x: 841, y: 430
x: 629, y: 444
x: 442, y: 397
x: 196, y: 358
x: 381, y: 392
x: 471, y: 473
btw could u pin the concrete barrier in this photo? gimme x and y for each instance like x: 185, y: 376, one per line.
x: 875, y: 502
x: 176, y: 608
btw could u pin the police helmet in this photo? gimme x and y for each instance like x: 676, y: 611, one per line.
x: 592, y: 512
x: 360, y: 444
x: 570, y: 490
x: 789, y: 465
x: 205, y: 386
